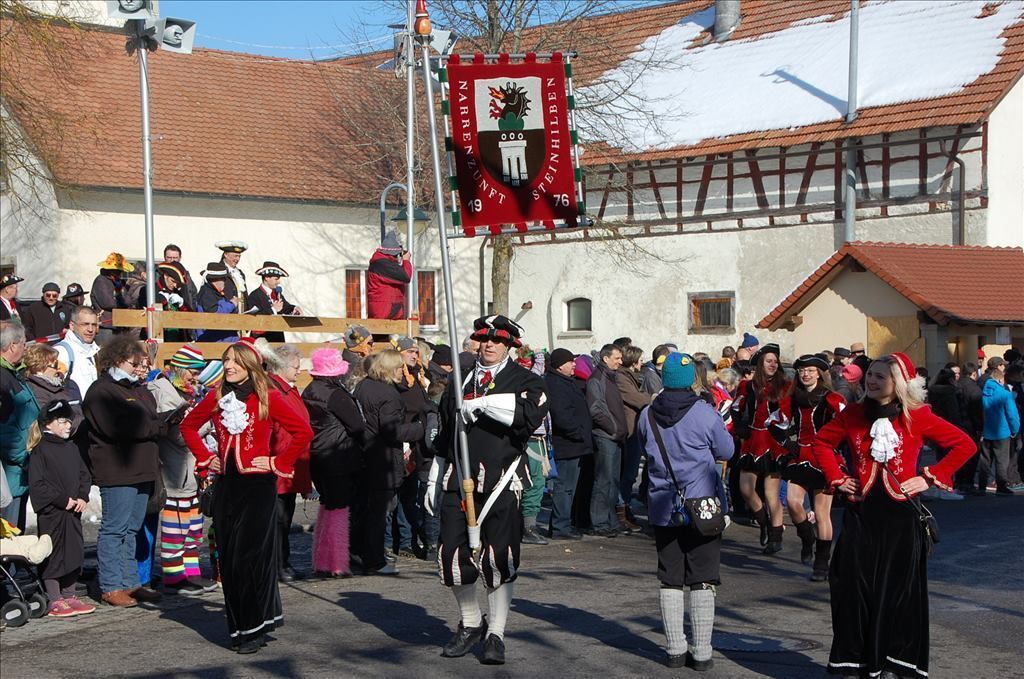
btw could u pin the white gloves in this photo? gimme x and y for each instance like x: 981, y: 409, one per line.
x: 437, y: 469
x: 499, y: 407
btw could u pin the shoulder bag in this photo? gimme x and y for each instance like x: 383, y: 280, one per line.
x: 705, y: 513
x: 929, y: 524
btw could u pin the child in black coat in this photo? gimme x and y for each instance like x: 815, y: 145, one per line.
x: 58, y: 484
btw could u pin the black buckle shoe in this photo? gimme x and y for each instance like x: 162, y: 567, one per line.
x: 464, y: 640
x: 699, y: 665
x: 494, y: 651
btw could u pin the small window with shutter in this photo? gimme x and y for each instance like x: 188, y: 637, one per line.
x: 426, y: 289
x: 354, y: 293
x: 712, y: 312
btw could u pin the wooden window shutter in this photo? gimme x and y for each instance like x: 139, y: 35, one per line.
x: 425, y: 286
x: 353, y: 293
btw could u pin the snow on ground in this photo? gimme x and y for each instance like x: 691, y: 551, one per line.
x: 909, y: 50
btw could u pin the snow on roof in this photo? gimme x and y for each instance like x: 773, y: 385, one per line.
x: 909, y: 50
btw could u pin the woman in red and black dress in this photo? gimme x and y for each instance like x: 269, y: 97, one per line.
x: 243, y: 410
x: 814, y: 404
x: 761, y: 401
x: 879, y: 574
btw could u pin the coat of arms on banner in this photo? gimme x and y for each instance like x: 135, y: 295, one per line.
x: 512, y: 144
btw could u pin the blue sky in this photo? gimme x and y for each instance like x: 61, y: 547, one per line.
x: 287, y: 28
x: 294, y: 28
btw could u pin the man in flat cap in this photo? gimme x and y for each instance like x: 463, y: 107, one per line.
x: 234, y: 285
x: 268, y: 299
x: 503, y: 404
x: 46, y: 318
x: 9, y: 296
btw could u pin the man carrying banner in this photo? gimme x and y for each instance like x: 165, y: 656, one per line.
x: 503, y: 403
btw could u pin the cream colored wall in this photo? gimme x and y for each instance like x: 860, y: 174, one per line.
x: 314, y: 243
x: 838, y: 316
x: 1006, y: 170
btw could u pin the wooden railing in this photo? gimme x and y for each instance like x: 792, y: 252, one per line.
x: 247, y: 323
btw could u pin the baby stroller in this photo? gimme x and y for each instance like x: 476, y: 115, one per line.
x: 22, y: 593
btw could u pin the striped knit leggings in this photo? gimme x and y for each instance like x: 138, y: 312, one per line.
x: 181, y: 533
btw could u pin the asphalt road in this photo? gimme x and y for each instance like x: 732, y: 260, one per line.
x: 589, y: 609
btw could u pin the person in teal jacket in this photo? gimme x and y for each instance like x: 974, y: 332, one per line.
x: 1002, y: 424
x: 18, y: 410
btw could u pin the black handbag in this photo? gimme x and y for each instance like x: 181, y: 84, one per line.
x: 704, y: 513
x: 206, y: 495
x: 929, y: 524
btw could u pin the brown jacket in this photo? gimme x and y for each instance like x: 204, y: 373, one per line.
x: 633, y: 398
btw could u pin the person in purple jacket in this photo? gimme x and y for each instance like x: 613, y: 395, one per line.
x: 695, y: 437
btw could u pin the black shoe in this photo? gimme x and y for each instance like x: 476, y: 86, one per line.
x: 464, y: 640
x: 494, y: 651
x: 699, y: 665
x: 207, y: 585
x: 185, y: 588
x: 675, y: 661
x: 1004, y: 492
x: 532, y: 537
x: 250, y: 646
x: 571, y: 535
x: 607, y: 533
x: 772, y: 548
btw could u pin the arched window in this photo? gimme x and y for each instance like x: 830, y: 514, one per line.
x: 578, y: 315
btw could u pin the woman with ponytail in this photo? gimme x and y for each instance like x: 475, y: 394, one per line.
x: 879, y: 573
x: 244, y: 409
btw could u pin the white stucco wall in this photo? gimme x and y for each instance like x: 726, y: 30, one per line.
x: 762, y: 266
x: 314, y: 243
x: 1006, y: 170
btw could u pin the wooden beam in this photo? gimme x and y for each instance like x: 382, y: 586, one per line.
x: 188, y: 320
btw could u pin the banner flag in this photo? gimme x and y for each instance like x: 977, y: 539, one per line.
x: 511, y: 144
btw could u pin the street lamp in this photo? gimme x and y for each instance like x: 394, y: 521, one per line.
x: 147, y: 34
x: 420, y: 219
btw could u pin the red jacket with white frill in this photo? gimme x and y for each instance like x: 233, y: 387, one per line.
x: 254, y: 441
x: 809, y: 420
x: 853, y: 427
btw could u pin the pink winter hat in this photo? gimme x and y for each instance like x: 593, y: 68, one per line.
x: 583, y: 369
x: 328, y: 362
x: 852, y: 373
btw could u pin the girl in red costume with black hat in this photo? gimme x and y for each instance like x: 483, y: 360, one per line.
x: 879, y: 574
x: 761, y: 401
x: 813, y: 404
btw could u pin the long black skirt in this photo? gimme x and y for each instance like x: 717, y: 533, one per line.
x: 879, y: 587
x: 245, y: 520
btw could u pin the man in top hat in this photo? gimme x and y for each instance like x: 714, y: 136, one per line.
x: 503, y: 404
x: 235, y: 285
x: 74, y: 296
x: 46, y: 318
x: 268, y: 299
x: 213, y: 298
x: 108, y: 289
x: 9, y: 296
x: 387, y: 280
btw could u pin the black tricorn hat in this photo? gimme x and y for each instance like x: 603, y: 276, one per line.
x: 499, y: 327
x: 812, y: 361
x: 271, y: 269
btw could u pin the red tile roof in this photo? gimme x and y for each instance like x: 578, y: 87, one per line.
x: 950, y: 283
x: 229, y: 123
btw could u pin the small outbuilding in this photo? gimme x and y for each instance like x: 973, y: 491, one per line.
x: 936, y: 303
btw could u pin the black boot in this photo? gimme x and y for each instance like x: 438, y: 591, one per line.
x: 761, y: 516
x: 821, y: 554
x: 774, y: 545
x: 464, y: 640
x: 805, y: 531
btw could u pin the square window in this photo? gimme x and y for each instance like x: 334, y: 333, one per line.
x: 578, y: 315
x: 712, y: 311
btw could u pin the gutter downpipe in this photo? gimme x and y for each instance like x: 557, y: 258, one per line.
x: 961, y: 229
x: 850, y: 208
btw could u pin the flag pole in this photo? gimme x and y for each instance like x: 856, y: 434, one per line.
x: 423, y: 29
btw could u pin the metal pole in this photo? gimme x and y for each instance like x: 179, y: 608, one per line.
x: 462, y: 446
x: 850, y: 209
x: 410, y: 168
x: 147, y: 176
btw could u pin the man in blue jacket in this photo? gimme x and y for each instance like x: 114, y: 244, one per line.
x: 1002, y: 424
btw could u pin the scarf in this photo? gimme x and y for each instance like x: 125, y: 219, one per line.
x: 188, y: 389
x: 241, y: 390
x: 120, y: 375
x: 361, y: 349
x: 412, y: 376
x: 809, y: 399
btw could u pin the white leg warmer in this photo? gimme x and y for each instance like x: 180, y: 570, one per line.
x: 702, y: 622
x: 499, y: 601
x: 465, y: 595
x: 673, y: 611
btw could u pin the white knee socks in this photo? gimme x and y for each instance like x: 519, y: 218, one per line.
x: 465, y: 595
x: 498, y: 601
x: 702, y: 622
x: 673, y: 610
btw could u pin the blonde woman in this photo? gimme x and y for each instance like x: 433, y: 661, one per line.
x: 385, y: 432
x: 879, y: 574
x: 244, y: 409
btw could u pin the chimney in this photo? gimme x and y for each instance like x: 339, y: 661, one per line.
x: 727, y: 18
